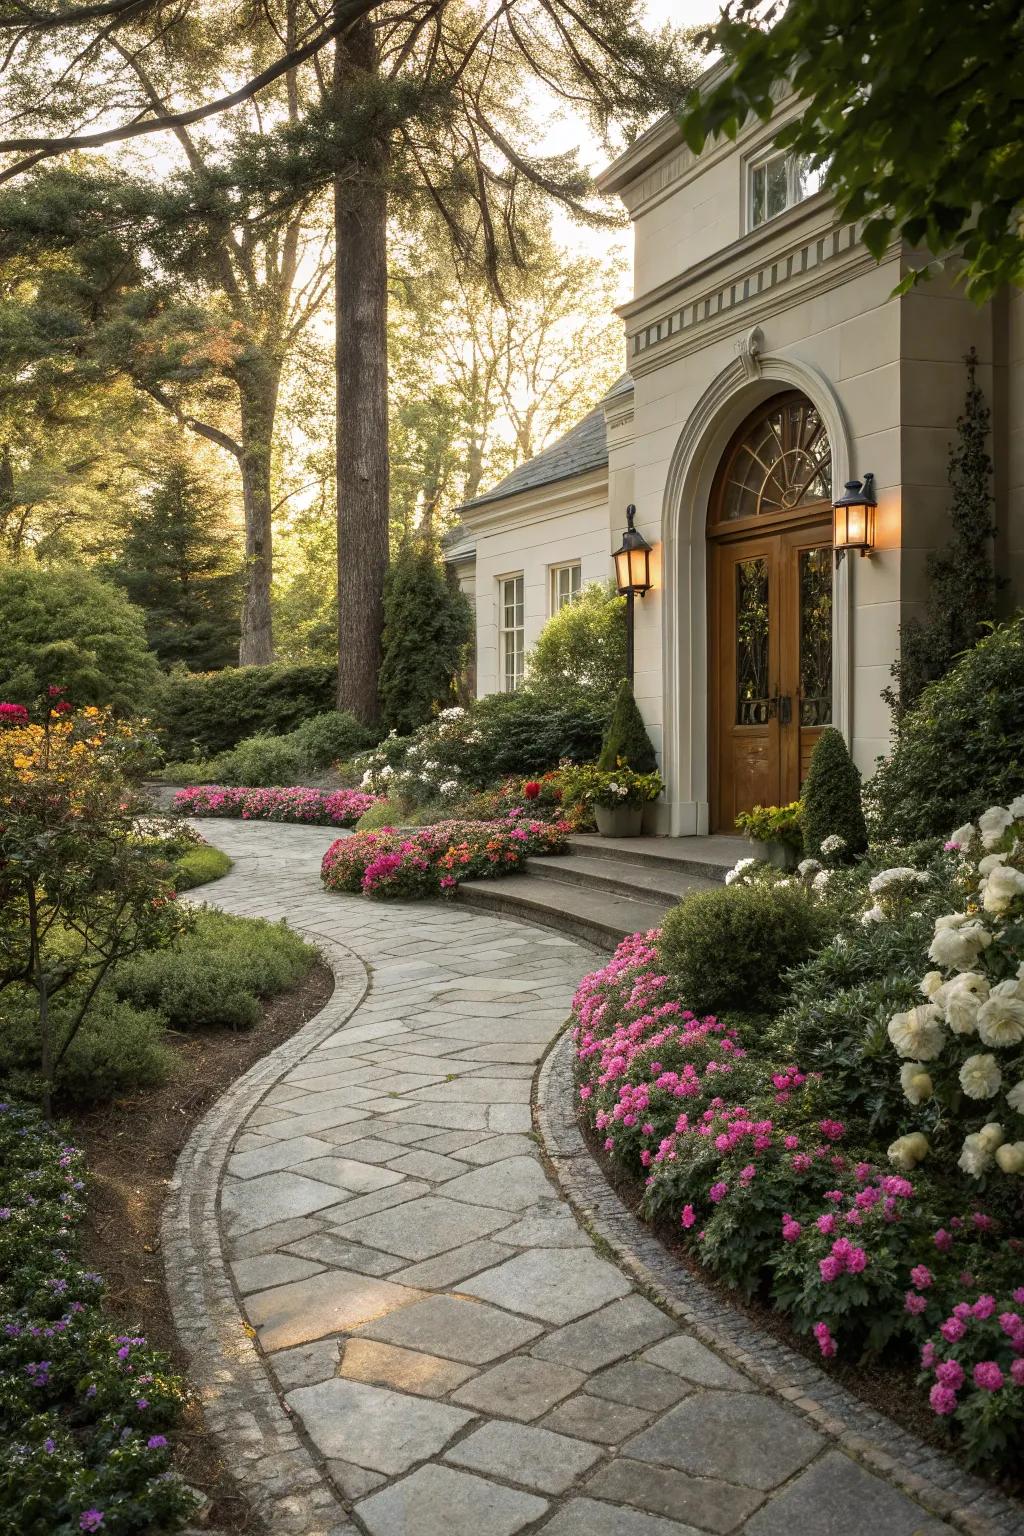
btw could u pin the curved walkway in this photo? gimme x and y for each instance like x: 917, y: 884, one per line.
x: 442, y: 1349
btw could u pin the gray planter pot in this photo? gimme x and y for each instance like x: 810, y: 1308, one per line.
x: 781, y: 855
x: 619, y: 820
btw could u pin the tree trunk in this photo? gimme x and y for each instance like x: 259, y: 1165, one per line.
x: 258, y: 402
x: 361, y: 362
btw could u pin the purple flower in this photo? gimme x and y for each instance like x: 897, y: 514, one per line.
x: 91, y: 1520
x: 5, y: 1213
x: 922, y: 1277
x: 914, y: 1303
x: 157, y: 1442
x: 142, y: 1402
x: 988, y: 1376
x: 950, y: 1373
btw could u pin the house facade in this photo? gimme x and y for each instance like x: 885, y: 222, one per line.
x: 769, y: 362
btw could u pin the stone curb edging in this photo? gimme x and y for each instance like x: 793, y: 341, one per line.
x: 921, y: 1471
x: 269, y: 1458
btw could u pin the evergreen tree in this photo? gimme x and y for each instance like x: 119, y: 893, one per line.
x: 627, y: 740
x: 179, y: 565
x: 427, y: 625
x: 961, y: 580
x: 831, y: 800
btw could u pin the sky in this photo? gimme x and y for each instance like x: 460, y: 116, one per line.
x: 564, y: 132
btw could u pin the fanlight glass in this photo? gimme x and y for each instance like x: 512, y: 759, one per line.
x: 781, y: 464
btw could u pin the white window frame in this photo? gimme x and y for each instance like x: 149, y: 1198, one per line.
x: 794, y: 193
x: 511, y: 637
x: 558, y: 599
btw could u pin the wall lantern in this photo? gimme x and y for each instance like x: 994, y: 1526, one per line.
x: 632, y: 576
x: 854, y: 517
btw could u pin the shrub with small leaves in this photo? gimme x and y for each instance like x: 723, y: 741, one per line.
x: 831, y: 802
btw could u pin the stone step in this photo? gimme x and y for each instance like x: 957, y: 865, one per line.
x: 641, y: 882
x: 710, y: 856
x: 598, y: 916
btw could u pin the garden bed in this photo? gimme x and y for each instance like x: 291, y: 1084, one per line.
x: 131, y: 1147
x: 888, y: 1387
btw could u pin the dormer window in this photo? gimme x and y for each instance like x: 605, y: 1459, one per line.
x: 779, y: 181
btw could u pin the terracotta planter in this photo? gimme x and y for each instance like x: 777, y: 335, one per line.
x: 619, y: 820
x: 781, y: 855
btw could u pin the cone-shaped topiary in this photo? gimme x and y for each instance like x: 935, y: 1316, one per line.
x: 831, y: 799
x: 626, y: 739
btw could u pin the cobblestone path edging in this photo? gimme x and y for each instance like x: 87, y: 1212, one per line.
x: 395, y: 1322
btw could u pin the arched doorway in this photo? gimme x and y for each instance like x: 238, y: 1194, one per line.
x: 770, y: 606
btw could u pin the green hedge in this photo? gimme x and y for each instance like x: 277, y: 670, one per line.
x: 202, y: 713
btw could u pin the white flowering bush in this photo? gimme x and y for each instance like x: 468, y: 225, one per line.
x: 962, y: 1048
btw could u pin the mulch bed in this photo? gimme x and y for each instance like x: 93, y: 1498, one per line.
x: 131, y: 1147
x: 890, y: 1389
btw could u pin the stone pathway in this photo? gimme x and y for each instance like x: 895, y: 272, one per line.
x: 455, y: 1356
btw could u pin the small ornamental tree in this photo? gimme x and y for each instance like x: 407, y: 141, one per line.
x: 626, y: 740
x: 831, y: 801
x: 961, y: 580
x: 582, y: 648
x: 427, y: 626
x: 79, y: 890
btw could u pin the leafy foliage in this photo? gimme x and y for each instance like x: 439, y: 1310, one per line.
x: 79, y: 891
x: 63, y: 626
x: 961, y: 580
x: 198, y: 866
x: 961, y: 748
x: 831, y: 798
x: 208, y: 712
x: 862, y: 74
x: 728, y: 948
x: 427, y: 627
x: 119, y: 1049
x: 214, y: 976
x: 182, y: 570
x: 582, y: 648
x: 773, y: 824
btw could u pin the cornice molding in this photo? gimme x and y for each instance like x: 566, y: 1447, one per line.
x: 750, y: 298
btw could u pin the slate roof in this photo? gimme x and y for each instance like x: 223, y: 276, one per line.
x: 584, y: 447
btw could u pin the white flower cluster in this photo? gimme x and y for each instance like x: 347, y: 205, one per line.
x: 976, y: 991
x: 833, y: 844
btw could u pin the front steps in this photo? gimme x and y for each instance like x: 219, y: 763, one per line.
x: 606, y: 888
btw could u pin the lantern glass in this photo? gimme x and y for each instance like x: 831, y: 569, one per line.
x: 622, y: 569
x: 854, y: 517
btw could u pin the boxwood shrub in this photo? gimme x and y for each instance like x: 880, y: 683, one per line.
x: 728, y: 948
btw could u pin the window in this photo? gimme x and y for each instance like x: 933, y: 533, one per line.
x: 566, y: 581
x: 780, y: 181
x: 510, y: 632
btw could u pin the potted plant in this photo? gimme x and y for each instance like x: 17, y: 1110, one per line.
x: 616, y: 796
x: 775, y: 833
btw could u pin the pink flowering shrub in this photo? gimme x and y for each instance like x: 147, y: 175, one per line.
x: 750, y: 1161
x: 436, y: 859
x: 316, y: 807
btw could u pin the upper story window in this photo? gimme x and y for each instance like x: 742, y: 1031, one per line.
x: 779, y: 181
x: 566, y: 584
x: 511, y: 636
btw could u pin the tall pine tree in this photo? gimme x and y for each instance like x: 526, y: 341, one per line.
x: 962, y: 583
x: 179, y: 564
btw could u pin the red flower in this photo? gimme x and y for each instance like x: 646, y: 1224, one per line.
x: 13, y: 714
x: 531, y: 789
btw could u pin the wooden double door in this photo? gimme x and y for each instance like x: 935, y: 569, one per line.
x: 770, y: 664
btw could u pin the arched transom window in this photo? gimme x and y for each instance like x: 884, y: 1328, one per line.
x: 779, y: 463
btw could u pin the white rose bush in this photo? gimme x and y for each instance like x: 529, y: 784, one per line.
x: 962, y: 1049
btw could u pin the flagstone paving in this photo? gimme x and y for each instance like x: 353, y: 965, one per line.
x: 458, y: 1357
